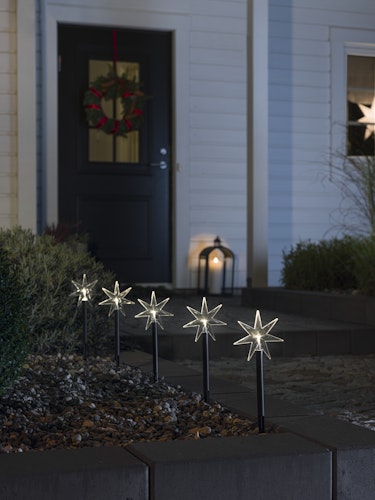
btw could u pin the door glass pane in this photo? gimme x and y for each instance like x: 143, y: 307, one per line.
x: 361, y: 105
x: 105, y: 147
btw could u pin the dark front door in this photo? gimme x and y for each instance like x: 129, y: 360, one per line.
x: 114, y: 188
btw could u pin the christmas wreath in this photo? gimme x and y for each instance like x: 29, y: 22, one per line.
x: 114, y: 87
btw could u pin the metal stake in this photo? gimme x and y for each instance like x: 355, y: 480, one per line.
x: 260, y: 389
x: 206, y: 374
x: 155, y: 350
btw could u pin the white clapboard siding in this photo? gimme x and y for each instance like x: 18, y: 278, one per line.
x: 300, y: 119
x: 8, y: 110
x: 218, y: 123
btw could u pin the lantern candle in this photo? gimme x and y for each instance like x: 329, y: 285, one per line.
x: 216, y: 275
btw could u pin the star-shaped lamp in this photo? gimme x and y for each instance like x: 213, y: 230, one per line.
x: 258, y: 336
x: 83, y: 290
x: 153, y: 311
x: 204, y: 320
x: 368, y: 118
x: 116, y: 299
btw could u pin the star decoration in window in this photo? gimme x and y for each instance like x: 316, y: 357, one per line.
x: 204, y: 320
x: 116, y: 299
x: 83, y: 290
x: 368, y: 118
x: 258, y: 336
x: 153, y: 311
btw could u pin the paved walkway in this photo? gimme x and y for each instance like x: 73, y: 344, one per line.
x: 335, y: 384
x: 302, y: 335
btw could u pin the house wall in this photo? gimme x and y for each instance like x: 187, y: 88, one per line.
x: 210, y: 167
x: 302, y: 118
x: 8, y: 115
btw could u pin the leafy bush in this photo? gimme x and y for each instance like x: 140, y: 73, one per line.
x: 327, y: 265
x: 13, y: 328
x: 364, y: 264
x: 47, y: 269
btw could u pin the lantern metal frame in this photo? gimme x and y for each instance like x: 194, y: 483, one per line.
x: 227, y: 285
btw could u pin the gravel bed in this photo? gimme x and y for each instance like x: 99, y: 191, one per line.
x: 66, y: 402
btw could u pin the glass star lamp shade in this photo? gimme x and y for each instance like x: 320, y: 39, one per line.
x: 83, y: 290
x: 153, y: 311
x: 116, y: 299
x: 204, y: 320
x: 258, y: 336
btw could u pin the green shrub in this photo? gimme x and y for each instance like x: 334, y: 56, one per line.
x: 327, y: 265
x: 47, y: 269
x: 364, y: 264
x: 14, y: 345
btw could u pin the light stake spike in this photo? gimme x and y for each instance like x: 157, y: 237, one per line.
x: 153, y: 311
x: 204, y: 320
x: 258, y: 336
x: 83, y: 291
x: 116, y: 301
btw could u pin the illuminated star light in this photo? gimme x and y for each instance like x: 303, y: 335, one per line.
x: 116, y: 299
x: 153, y: 311
x: 204, y: 319
x: 258, y: 336
x: 368, y: 118
x: 83, y: 290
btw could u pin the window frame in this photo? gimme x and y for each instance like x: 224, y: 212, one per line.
x: 344, y: 42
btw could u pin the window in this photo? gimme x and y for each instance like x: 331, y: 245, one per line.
x: 352, y: 83
x: 360, y: 105
x: 104, y: 147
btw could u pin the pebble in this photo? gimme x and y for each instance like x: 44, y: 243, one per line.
x: 67, y: 402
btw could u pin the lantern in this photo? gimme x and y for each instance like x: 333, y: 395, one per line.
x: 216, y: 270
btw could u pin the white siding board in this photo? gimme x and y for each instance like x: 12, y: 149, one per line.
x: 223, y: 9
x: 216, y: 24
x: 218, y: 73
x: 231, y: 58
x: 7, y: 144
x: 222, y: 41
x: 279, y: 45
x: 217, y: 121
x: 8, y: 124
x: 217, y: 216
x: 8, y: 164
x: 222, y: 90
x: 288, y: 109
x: 7, y: 62
x: 218, y: 152
x: 301, y: 78
x: 228, y: 105
x: 298, y: 94
x: 335, y: 17
x: 8, y: 185
x: 304, y: 62
x: 148, y: 6
x: 304, y: 31
x: 342, y: 5
x: 7, y: 83
x: 8, y: 20
x: 220, y: 168
x: 8, y: 104
x: 7, y: 42
x: 216, y: 184
x: 300, y: 125
x: 224, y: 199
x: 234, y: 235
x: 217, y: 137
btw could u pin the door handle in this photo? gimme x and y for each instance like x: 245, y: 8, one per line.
x: 162, y: 165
